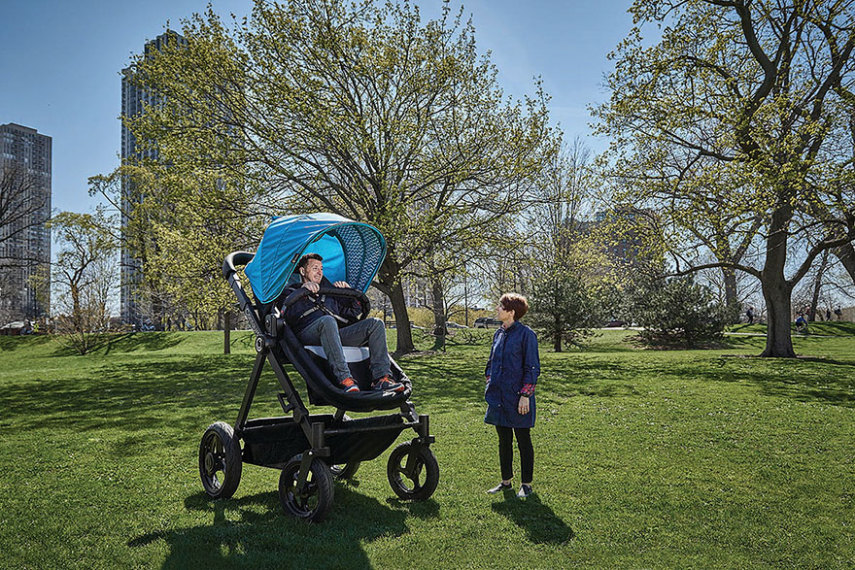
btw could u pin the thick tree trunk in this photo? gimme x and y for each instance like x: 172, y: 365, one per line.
x: 779, y: 341
x: 402, y: 319
x: 390, y: 283
x: 846, y: 255
x: 776, y: 288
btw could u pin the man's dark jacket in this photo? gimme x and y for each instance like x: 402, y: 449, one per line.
x: 312, y: 307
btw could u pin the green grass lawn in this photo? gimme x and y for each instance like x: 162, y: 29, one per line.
x: 644, y: 459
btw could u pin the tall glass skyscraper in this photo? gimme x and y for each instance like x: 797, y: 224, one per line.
x: 134, y: 101
x: 25, y: 202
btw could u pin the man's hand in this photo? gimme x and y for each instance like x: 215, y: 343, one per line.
x: 487, y: 380
x: 342, y: 284
x: 311, y: 286
x: 523, y: 406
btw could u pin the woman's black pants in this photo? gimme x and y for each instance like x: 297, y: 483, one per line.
x: 506, y: 452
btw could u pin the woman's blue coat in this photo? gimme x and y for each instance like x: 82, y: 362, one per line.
x: 514, y: 361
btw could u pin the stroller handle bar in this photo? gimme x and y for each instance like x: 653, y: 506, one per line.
x: 230, y: 274
x: 233, y: 259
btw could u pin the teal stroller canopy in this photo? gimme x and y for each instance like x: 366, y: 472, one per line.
x: 352, y: 252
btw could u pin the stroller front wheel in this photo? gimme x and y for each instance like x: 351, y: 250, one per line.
x: 418, y: 481
x: 220, y: 461
x: 316, y: 498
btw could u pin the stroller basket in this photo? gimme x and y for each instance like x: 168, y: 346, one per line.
x: 272, y: 441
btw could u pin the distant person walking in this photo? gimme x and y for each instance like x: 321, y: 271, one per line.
x: 749, y: 314
x: 827, y: 314
x: 511, y: 373
x: 839, y: 314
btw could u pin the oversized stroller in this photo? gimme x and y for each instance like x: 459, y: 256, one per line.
x: 313, y: 450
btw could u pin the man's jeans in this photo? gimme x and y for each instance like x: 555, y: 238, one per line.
x: 368, y: 332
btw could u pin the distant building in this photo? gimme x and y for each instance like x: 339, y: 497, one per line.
x: 621, y: 232
x: 134, y: 101
x: 25, y: 203
x: 626, y: 226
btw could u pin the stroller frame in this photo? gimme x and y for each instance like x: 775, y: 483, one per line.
x: 310, y: 450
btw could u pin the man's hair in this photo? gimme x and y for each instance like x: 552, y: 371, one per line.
x: 304, y: 261
x: 516, y: 303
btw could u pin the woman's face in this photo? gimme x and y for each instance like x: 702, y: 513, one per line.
x: 502, y: 314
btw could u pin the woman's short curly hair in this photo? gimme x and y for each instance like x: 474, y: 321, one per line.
x: 516, y: 303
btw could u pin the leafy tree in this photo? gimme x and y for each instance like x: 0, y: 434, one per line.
x: 566, y: 269
x: 83, y: 277
x: 563, y: 306
x: 741, y: 108
x: 182, y: 246
x: 677, y: 312
x: 354, y: 108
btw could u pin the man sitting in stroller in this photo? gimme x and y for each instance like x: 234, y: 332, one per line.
x: 324, y: 320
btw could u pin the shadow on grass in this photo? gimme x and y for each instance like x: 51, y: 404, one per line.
x: 253, y: 532
x: 12, y: 343
x: 539, y: 522
x: 454, y: 380
x: 130, y: 396
x: 808, y: 379
x: 126, y: 343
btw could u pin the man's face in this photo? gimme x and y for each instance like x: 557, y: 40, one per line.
x: 313, y: 271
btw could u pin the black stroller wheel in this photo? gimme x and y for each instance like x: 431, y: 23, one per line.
x: 344, y: 471
x: 315, y: 501
x: 419, y: 483
x: 220, y: 461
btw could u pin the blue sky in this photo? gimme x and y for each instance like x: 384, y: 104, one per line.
x: 60, y: 66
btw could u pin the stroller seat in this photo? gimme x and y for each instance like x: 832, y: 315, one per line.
x: 357, y: 358
x: 351, y: 353
x: 323, y: 390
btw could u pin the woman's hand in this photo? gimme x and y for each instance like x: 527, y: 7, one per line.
x: 523, y: 407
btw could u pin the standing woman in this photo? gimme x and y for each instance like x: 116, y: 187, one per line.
x: 511, y: 372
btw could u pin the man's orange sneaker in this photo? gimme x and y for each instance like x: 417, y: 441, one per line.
x: 349, y: 386
x: 386, y: 384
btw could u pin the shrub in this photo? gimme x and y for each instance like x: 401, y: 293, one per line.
x: 677, y: 312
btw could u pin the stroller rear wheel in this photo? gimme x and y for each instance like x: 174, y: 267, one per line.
x: 419, y: 482
x: 344, y: 471
x: 316, y: 499
x: 220, y: 461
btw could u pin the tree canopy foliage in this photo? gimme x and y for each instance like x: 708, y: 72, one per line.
x: 737, y: 121
x: 361, y: 109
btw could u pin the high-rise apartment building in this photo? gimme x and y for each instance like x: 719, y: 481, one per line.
x: 25, y: 203
x: 134, y: 101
